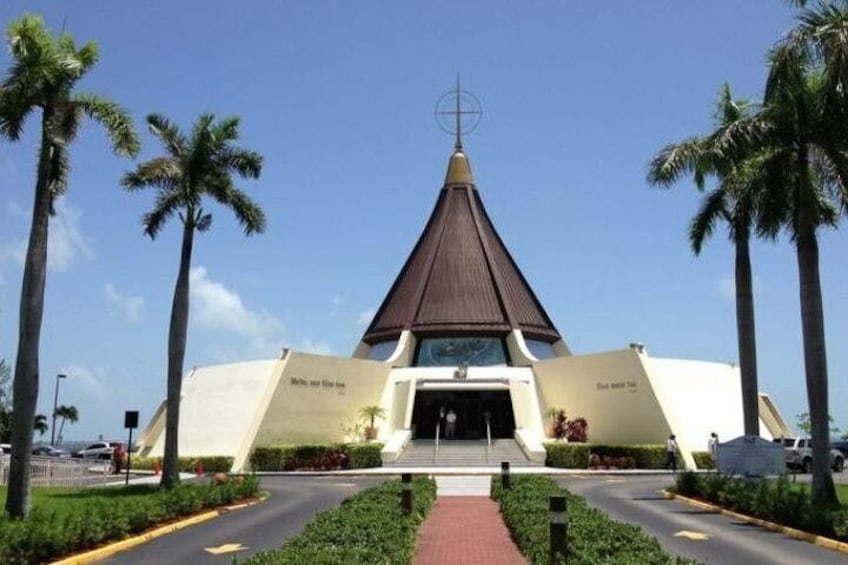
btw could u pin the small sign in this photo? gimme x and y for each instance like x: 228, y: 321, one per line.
x: 131, y: 419
x: 751, y: 456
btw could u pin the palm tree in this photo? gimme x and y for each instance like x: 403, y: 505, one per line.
x: 195, y: 166
x: 67, y: 413
x: 39, y: 424
x: 43, y: 74
x: 733, y: 203
x: 801, y: 134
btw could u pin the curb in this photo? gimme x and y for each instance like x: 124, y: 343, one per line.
x: 95, y: 555
x: 821, y: 541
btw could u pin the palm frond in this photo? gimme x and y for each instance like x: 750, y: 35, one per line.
x: 60, y: 169
x: 166, y: 205
x: 712, y: 209
x: 675, y: 161
x: 249, y: 215
x: 248, y: 164
x: 169, y: 134
x: 116, y: 120
x: 163, y: 173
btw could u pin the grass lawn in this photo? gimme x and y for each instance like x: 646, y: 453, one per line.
x: 62, y: 499
x: 841, y: 491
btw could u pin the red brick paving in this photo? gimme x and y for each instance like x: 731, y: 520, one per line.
x: 465, y: 530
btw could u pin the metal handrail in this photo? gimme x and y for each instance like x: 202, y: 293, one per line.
x: 488, y: 440
x: 436, y: 449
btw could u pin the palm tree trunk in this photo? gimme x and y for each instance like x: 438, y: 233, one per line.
x: 815, y: 356
x: 746, y: 333
x: 176, y: 356
x: 25, y: 384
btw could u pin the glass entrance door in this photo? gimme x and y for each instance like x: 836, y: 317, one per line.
x: 471, y: 409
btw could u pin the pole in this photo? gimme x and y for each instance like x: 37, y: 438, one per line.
x: 129, y: 457
x: 406, y: 493
x: 559, y: 528
x: 505, y: 475
x: 55, y: 405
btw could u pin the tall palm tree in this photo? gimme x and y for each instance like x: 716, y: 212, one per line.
x: 42, y: 76
x: 67, y: 413
x: 39, y: 424
x: 801, y: 131
x: 195, y: 166
x: 732, y: 202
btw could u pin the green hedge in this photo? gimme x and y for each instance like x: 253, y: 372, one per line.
x: 577, y: 455
x: 368, y: 527
x: 318, y: 456
x: 211, y: 463
x: 593, y: 537
x: 47, y: 534
x: 703, y: 459
x: 567, y: 455
x: 776, y: 500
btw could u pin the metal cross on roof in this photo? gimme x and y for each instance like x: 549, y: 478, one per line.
x: 457, y: 111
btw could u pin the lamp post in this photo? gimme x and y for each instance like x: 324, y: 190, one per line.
x: 55, y: 405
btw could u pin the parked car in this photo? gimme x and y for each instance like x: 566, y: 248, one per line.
x: 49, y: 451
x: 98, y: 450
x: 799, y: 455
x: 840, y: 445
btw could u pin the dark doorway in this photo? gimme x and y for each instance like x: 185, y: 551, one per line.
x: 471, y: 408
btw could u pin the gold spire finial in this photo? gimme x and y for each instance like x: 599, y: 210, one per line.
x: 458, y: 145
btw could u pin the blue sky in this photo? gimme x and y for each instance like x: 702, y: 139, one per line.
x: 339, y: 97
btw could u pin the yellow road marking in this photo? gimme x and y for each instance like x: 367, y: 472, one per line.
x: 226, y: 548
x: 692, y: 535
x: 616, y: 480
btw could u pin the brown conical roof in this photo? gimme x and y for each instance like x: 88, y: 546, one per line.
x: 459, y: 278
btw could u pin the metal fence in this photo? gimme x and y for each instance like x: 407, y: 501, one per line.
x: 61, y: 471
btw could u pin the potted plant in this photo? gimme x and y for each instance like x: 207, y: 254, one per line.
x: 369, y: 414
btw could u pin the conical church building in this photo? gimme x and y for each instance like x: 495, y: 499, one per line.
x: 461, y: 348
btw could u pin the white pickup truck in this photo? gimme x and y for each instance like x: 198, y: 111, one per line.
x: 799, y: 455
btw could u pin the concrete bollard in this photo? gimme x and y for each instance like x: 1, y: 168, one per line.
x: 505, y: 475
x: 406, y: 493
x: 559, y: 528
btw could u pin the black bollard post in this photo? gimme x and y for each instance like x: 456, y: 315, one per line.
x: 559, y: 528
x: 406, y: 493
x: 505, y: 475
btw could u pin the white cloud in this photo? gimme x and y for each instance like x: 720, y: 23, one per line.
x: 318, y: 348
x: 727, y: 287
x: 366, y: 316
x: 337, y: 301
x: 128, y: 306
x: 65, y: 240
x: 215, y: 307
x: 92, y: 381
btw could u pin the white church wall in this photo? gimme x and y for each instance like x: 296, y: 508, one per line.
x: 317, y: 395
x: 217, y: 407
x: 611, y: 390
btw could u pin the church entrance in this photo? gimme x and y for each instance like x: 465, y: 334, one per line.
x: 471, y: 408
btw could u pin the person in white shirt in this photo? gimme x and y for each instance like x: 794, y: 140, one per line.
x: 671, y: 453
x: 712, y: 445
x: 450, y: 424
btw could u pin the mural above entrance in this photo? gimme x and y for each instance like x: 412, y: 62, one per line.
x: 451, y: 352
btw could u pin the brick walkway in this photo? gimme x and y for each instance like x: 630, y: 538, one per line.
x: 465, y: 530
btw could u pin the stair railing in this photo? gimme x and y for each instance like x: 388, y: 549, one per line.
x: 488, y: 440
x: 436, y: 448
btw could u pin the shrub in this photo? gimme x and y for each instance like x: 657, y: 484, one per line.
x: 775, y: 500
x: 95, y: 519
x: 704, y: 460
x: 368, y: 527
x: 593, y: 537
x: 317, y: 456
x: 211, y: 463
x: 567, y: 455
x: 651, y: 456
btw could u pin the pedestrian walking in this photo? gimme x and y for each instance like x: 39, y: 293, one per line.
x: 671, y: 453
x: 450, y: 424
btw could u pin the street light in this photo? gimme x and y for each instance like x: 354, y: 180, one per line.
x: 55, y: 405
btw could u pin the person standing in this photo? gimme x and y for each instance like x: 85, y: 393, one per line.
x: 450, y: 426
x: 712, y: 446
x: 671, y: 453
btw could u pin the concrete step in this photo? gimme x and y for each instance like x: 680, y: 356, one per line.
x: 462, y: 453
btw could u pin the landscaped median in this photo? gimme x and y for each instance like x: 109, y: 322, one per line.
x: 592, y: 536
x: 773, y: 503
x: 368, y: 527
x: 65, y: 521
